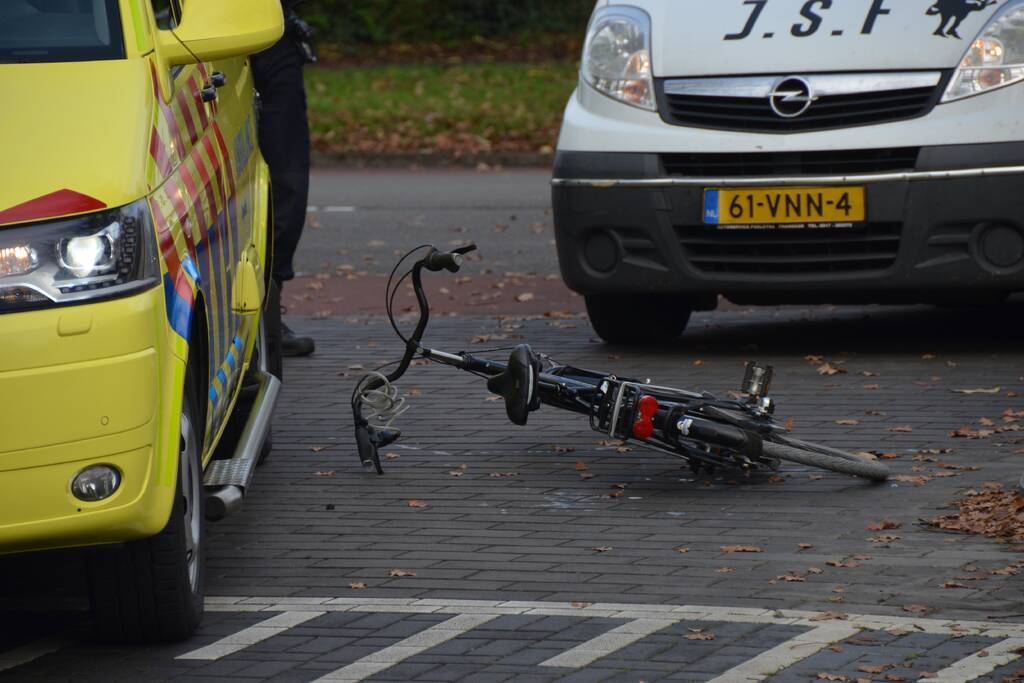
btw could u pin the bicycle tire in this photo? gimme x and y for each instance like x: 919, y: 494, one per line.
x: 875, y: 471
x: 818, y: 448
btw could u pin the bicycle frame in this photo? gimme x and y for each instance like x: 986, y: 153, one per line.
x: 699, y: 428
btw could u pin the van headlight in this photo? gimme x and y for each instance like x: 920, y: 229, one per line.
x: 72, y: 260
x: 617, y: 56
x: 995, y: 59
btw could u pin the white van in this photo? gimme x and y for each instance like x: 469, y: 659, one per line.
x: 791, y: 151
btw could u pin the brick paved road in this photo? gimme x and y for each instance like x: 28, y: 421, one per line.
x: 511, y: 521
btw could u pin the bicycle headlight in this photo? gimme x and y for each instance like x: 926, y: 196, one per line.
x: 617, y: 56
x: 73, y: 260
x: 995, y: 59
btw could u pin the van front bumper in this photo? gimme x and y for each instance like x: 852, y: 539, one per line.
x: 87, y: 385
x: 950, y: 228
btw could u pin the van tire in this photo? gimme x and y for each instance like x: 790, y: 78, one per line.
x: 638, y: 319
x: 147, y: 591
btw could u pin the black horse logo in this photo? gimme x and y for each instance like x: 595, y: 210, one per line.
x: 953, y: 13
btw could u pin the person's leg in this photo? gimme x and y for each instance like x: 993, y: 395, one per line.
x: 284, y: 141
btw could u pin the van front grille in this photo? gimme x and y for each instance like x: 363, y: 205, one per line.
x: 731, y: 110
x: 753, y: 164
x: 782, y: 252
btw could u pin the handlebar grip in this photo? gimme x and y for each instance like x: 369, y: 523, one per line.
x: 437, y: 261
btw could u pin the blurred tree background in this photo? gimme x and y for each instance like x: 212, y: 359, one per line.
x: 462, y: 81
x: 383, y: 22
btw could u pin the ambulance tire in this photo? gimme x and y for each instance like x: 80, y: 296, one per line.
x: 638, y: 319
x: 270, y: 327
x: 153, y: 590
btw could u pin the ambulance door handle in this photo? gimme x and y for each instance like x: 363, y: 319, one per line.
x: 218, y: 79
x: 209, y: 93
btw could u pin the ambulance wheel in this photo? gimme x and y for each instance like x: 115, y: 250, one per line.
x: 638, y: 319
x: 152, y: 590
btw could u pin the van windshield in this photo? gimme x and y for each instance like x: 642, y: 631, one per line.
x: 60, y: 30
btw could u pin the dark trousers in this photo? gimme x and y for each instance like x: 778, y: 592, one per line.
x: 284, y: 141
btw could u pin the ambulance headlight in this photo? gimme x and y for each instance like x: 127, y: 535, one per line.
x: 995, y: 59
x: 617, y: 56
x: 73, y: 260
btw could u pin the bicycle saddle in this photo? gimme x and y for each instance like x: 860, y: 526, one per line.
x: 518, y: 384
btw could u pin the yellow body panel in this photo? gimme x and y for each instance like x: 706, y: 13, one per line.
x: 113, y: 397
x: 102, y: 382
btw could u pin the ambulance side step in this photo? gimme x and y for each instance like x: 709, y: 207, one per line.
x: 227, y: 480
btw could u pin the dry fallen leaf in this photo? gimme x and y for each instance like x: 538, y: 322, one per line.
x: 579, y: 605
x: 902, y: 429
x: 884, y: 525
x: 699, y: 634
x: 730, y: 549
x: 830, y: 616
x: 330, y: 473
x: 417, y: 503
x: 681, y: 549
x: 358, y: 586
x: 883, y: 538
x: 725, y: 570
x: 526, y: 296
x: 790, y: 578
x: 875, y: 668
x: 829, y: 370
x: 602, y: 549
x: 848, y: 423
x: 581, y: 466
x: 822, y: 676
x: 971, y: 392
x: 916, y: 609
x: 805, y: 546
x: 401, y: 573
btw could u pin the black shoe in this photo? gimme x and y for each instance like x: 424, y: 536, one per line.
x: 294, y: 346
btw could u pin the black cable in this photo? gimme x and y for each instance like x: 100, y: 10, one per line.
x: 391, y: 307
x: 388, y: 298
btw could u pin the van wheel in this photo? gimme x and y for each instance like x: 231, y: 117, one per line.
x: 152, y: 590
x: 638, y: 319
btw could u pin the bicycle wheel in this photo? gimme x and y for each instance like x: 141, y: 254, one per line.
x: 850, y: 464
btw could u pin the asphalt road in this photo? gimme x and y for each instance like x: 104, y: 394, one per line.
x: 363, y: 218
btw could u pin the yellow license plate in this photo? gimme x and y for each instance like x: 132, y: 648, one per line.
x: 818, y: 207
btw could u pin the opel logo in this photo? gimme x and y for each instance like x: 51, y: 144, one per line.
x: 792, y: 97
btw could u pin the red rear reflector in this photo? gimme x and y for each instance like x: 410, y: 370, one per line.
x: 648, y: 406
x: 643, y: 429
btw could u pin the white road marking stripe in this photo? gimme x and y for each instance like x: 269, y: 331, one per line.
x: 373, y: 664
x: 615, y: 611
x: 787, y: 654
x: 981, y: 663
x: 340, y: 209
x: 609, y: 643
x: 250, y: 636
x: 29, y: 653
